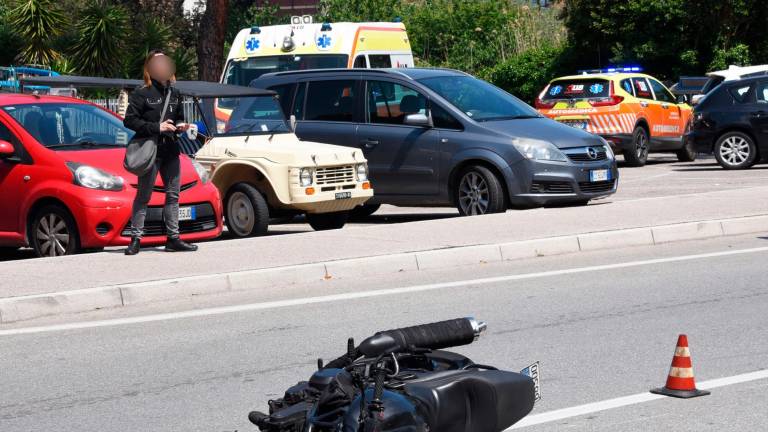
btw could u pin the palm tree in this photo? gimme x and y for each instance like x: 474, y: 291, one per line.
x: 99, y: 45
x: 38, y: 23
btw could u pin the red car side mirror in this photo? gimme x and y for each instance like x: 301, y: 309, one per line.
x: 6, y: 149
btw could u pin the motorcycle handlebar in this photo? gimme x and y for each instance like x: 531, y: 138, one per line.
x: 439, y: 335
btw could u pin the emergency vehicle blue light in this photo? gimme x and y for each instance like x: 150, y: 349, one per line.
x: 255, y: 30
x: 619, y: 69
x: 326, y: 27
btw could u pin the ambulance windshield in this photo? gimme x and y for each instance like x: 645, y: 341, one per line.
x: 242, y: 72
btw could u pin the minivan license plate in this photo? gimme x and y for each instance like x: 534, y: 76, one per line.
x: 599, y: 175
x: 186, y: 213
x: 343, y: 195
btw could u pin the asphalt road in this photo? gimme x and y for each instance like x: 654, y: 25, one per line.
x: 603, y: 324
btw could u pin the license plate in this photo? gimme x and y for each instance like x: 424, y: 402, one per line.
x: 578, y: 124
x: 187, y: 213
x: 343, y: 195
x: 532, y: 372
x: 599, y: 175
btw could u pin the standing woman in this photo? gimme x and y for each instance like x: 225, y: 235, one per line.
x: 145, y: 107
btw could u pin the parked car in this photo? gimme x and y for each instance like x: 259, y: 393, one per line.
x: 635, y: 112
x: 732, y: 122
x: 733, y: 73
x: 436, y: 137
x: 264, y: 171
x: 63, y: 186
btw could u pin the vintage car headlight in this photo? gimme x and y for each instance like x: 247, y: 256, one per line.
x: 538, y: 150
x: 362, y: 172
x: 305, y: 177
x: 94, y: 178
x: 201, y: 171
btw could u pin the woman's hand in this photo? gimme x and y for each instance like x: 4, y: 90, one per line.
x: 167, y: 126
x: 182, y: 127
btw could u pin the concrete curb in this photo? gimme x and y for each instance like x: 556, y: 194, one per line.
x: 22, y: 308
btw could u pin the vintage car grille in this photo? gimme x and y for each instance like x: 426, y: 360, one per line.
x: 582, y: 154
x: 155, y: 226
x: 553, y: 187
x: 335, y: 175
x: 595, y: 187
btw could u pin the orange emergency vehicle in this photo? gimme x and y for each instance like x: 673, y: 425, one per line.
x: 635, y: 112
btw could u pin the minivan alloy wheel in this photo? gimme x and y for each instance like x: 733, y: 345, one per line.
x: 52, y: 235
x: 473, y: 194
x: 734, y: 150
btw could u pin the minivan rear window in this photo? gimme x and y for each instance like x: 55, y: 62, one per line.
x: 331, y: 101
x: 578, y: 89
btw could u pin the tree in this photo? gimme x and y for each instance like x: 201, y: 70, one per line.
x: 38, y: 23
x: 211, y: 39
x: 101, y: 33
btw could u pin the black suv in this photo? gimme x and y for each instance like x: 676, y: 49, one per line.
x: 437, y: 137
x: 732, y: 122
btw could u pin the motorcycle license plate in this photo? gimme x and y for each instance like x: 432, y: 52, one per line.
x: 187, y: 213
x: 343, y: 195
x: 532, y: 371
x: 599, y: 175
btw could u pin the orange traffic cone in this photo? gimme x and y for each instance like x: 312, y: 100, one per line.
x: 680, y: 382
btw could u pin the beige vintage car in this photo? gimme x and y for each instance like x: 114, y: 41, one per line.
x: 264, y: 171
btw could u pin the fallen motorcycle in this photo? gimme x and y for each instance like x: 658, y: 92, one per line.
x: 402, y: 381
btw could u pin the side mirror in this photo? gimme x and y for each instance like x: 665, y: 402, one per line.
x: 696, y: 99
x: 418, y: 120
x: 293, y: 123
x: 681, y: 99
x: 6, y: 149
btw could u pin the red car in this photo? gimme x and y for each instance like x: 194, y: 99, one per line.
x: 63, y: 188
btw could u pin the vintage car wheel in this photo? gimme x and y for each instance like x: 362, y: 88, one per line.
x: 479, y: 192
x: 246, y: 212
x: 735, y: 150
x: 53, y: 232
x: 327, y: 221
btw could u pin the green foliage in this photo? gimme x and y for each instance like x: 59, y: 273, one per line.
x: 361, y: 10
x: 10, y: 42
x: 247, y: 13
x: 525, y: 74
x: 101, y: 34
x: 737, y: 55
x: 149, y: 33
x: 37, y: 23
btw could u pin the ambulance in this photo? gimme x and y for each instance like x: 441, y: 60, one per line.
x: 304, y: 44
x: 635, y: 112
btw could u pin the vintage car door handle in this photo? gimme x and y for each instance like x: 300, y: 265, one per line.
x: 369, y: 143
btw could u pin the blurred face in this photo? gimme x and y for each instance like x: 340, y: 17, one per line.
x: 161, y: 68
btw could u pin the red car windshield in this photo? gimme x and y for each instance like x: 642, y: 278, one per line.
x: 70, y: 125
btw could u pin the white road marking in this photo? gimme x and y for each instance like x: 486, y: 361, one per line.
x: 594, y: 407
x: 366, y: 294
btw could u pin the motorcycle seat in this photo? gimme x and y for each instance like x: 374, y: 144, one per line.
x: 472, y: 400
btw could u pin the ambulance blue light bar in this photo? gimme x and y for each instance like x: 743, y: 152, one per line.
x: 622, y: 69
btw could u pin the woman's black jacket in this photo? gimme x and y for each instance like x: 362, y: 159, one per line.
x: 143, y: 116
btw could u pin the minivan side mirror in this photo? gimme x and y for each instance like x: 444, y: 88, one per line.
x: 6, y: 149
x: 419, y: 120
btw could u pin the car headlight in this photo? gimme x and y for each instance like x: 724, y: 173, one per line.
x: 305, y: 177
x: 608, y: 150
x: 94, y: 178
x: 362, y: 172
x: 201, y: 171
x: 539, y: 150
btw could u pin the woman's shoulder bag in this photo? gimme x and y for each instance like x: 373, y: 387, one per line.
x: 142, y: 152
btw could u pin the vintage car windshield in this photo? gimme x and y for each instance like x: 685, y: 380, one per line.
x: 254, y: 116
x: 70, y: 126
x: 478, y: 99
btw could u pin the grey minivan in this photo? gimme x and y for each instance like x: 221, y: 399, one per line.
x: 438, y: 137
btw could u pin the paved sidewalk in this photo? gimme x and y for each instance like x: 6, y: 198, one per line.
x: 47, y: 275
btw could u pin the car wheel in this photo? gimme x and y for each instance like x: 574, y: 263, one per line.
x: 735, y: 150
x: 637, y: 155
x: 687, y: 153
x: 363, y: 211
x: 479, y: 192
x: 246, y: 211
x: 53, y: 232
x: 327, y: 221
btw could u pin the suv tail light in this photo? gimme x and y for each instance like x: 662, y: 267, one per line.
x: 611, y: 100
x: 540, y: 103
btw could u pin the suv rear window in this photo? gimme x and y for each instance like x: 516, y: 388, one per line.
x: 578, y: 89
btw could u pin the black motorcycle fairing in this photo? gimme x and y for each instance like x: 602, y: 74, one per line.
x: 479, y: 400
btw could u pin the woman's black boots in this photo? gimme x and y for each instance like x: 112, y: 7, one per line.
x: 175, y: 244
x: 134, y: 247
